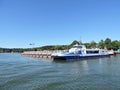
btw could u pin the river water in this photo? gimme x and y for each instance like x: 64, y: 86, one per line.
x: 23, y: 73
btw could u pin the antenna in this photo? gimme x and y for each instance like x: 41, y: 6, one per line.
x: 80, y: 41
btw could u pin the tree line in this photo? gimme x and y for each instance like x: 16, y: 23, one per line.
x: 103, y: 44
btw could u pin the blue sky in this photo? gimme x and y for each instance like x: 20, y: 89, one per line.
x: 54, y: 22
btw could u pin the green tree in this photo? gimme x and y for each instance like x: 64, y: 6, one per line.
x: 115, y: 45
x: 108, y: 44
x: 73, y: 43
x: 87, y: 45
x: 93, y: 44
x: 101, y: 44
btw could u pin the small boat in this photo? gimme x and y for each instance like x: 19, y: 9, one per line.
x: 117, y: 52
x: 111, y: 52
x: 78, y: 52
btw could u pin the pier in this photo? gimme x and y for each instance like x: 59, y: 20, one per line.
x: 40, y: 54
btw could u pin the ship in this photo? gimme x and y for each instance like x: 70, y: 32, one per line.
x: 80, y: 52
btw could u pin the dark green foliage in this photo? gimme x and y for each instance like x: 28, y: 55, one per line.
x: 115, y: 45
x: 101, y: 44
x: 87, y: 45
x: 54, y: 47
x: 93, y: 44
x: 108, y: 44
x: 73, y: 43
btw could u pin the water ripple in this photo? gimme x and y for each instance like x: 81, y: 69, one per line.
x: 21, y: 73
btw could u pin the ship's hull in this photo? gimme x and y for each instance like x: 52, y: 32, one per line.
x: 78, y: 57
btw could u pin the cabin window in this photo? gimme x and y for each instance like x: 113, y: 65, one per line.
x: 78, y: 52
x: 92, y: 52
x: 77, y: 46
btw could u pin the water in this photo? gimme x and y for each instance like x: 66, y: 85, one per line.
x: 22, y: 73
